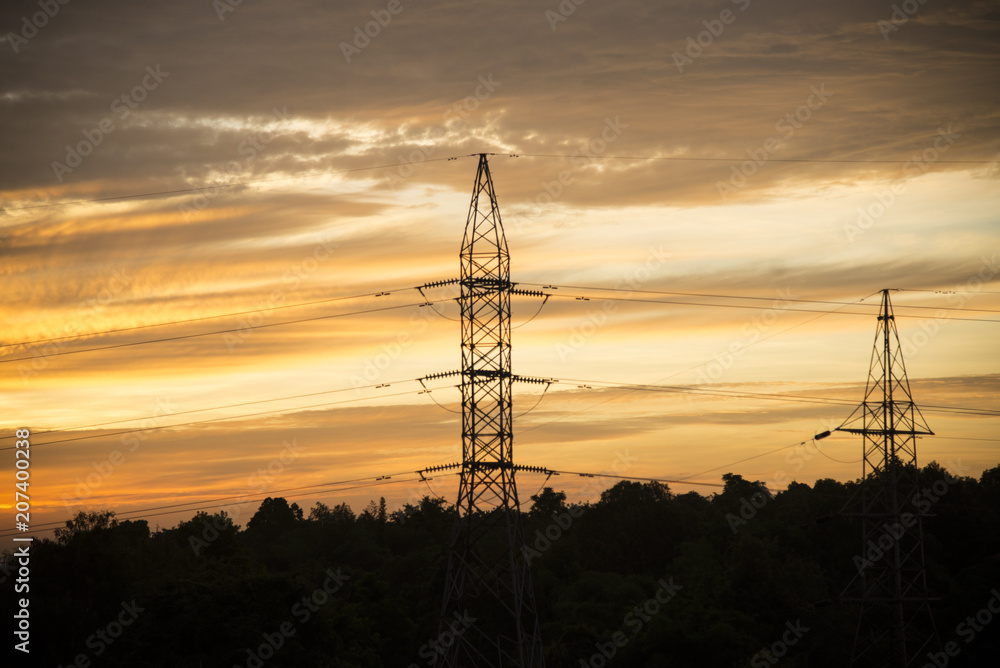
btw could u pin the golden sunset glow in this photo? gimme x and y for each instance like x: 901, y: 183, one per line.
x: 276, y: 182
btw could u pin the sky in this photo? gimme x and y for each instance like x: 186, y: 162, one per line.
x: 241, y: 165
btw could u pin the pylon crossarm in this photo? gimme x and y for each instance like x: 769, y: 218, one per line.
x: 438, y: 284
x: 884, y: 432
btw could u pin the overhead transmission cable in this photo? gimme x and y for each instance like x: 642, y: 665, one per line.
x: 681, y: 158
x: 431, y: 303
x: 217, y: 332
x: 217, y: 502
x: 372, y: 481
x: 215, y: 408
x: 746, y: 394
x: 753, y: 307
x: 220, y: 419
x: 630, y: 387
x: 750, y: 297
x: 199, y: 319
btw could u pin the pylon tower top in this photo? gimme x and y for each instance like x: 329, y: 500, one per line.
x: 895, y: 625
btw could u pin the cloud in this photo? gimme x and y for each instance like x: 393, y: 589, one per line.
x: 888, y: 97
x: 326, y: 178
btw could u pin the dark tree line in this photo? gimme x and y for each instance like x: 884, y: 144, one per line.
x: 746, y: 570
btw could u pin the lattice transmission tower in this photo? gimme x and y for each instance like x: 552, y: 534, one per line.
x: 895, y: 626
x: 488, y: 577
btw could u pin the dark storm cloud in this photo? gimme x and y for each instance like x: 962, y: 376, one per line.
x: 556, y: 87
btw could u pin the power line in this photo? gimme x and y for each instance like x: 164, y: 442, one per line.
x: 946, y: 292
x: 216, y: 502
x: 771, y: 299
x: 207, y: 317
x: 379, y: 293
x: 986, y: 412
x: 212, y: 408
x: 389, y: 479
x: 747, y: 459
x: 335, y: 299
x: 746, y: 394
x: 220, y: 419
x: 716, y: 392
x: 678, y: 373
x: 738, y: 159
x: 381, y: 480
x: 222, y: 331
x: 634, y: 387
x: 758, y: 308
x: 270, y: 493
x: 682, y: 481
x: 435, y: 401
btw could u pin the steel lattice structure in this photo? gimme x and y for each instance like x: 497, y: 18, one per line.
x: 488, y: 579
x: 895, y: 627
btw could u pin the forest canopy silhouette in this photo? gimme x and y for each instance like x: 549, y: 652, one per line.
x: 330, y: 587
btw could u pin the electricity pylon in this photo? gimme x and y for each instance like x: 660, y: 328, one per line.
x: 895, y: 627
x: 488, y: 580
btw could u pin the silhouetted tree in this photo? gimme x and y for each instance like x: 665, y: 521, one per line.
x: 547, y: 503
x: 274, y: 517
x: 85, y: 522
